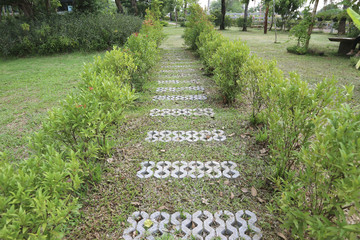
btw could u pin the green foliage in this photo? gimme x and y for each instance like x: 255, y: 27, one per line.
x: 324, y: 195
x: 228, y: 61
x: 291, y: 110
x: 145, y: 54
x: 209, y: 42
x: 240, y: 22
x: 300, y: 32
x: 197, y: 22
x: 217, y: 16
x: 356, y: 18
x: 255, y: 75
x: 65, y: 33
x: 38, y: 195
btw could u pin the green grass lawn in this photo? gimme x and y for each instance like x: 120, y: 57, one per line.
x: 311, y: 68
x: 30, y: 87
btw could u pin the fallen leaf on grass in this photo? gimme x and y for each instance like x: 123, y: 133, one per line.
x: 136, y: 204
x: 281, y: 235
x: 227, y: 182
x: 244, y: 190
x: 110, y: 160
x: 162, y: 208
x: 231, y: 134
x: 163, y: 150
x: 232, y: 196
x: 262, y: 151
x: 221, y: 194
x: 261, y: 200
x: 243, y: 136
x: 253, y: 192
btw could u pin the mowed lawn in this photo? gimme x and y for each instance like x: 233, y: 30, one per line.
x: 311, y: 68
x: 29, y: 88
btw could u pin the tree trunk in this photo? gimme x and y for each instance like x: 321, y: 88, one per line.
x: 134, y: 5
x: 26, y: 8
x: 119, y: 6
x: 245, y: 16
x: 266, y: 18
x: 176, y: 16
x: 223, y: 12
x: 311, y: 26
x: 185, y: 9
x: 47, y: 6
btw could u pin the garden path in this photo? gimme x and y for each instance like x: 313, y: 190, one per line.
x: 186, y: 165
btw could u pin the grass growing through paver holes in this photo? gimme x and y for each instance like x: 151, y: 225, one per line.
x: 120, y: 193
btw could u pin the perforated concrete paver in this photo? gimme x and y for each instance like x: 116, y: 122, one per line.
x: 182, y: 112
x: 179, y: 97
x: 201, y: 225
x: 178, y: 82
x: 179, y: 89
x: 189, y: 136
x: 193, y: 169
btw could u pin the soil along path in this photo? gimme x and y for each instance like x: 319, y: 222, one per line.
x: 186, y: 165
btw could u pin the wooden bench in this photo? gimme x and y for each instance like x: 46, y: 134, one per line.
x: 345, y: 44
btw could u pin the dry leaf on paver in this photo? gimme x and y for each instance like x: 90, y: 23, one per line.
x: 136, y: 204
x: 148, y: 223
x: 253, y: 192
x: 205, y: 201
x: 244, y: 190
x: 281, y: 235
x: 232, y: 196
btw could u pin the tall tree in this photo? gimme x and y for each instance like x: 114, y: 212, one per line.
x: 288, y: 9
x: 267, y: 6
x: 119, y: 6
x: 134, y: 6
x: 223, y: 13
x: 246, y: 14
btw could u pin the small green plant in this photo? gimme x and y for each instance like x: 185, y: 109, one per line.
x: 261, y: 136
x: 209, y: 42
x: 228, y: 62
x: 300, y: 32
x: 324, y: 195
x: 197, y: 22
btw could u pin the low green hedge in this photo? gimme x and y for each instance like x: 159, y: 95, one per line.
x: 65, y: 33
x: 39, y: 195
x: 311, y: 132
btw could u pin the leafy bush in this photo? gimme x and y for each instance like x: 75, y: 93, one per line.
x: 291, y: 110
x: 65, y: 33
x: 228, y: 61
x: 324, y: 196
x: 197, y: 22
x: 255, y: 75
x: 38, y: 195
x: 240, y: 22
x: 145, y: 54
x: 209, y: 42
x: 217, y: 16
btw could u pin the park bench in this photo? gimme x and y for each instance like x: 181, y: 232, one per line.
x: 345, y: 44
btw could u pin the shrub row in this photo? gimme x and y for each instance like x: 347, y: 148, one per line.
x: 311, y: 132
x: 65, y: 33
x: 38, y: 195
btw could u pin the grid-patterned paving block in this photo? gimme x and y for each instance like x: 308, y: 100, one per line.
x: 182, y: 112
x: 181, y: 70
x: 179, y: 89
x: 201, y: 225
x: 178, y: 82
x: 189, y: 136
x: 180, y: 97
x: 193, y: 169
